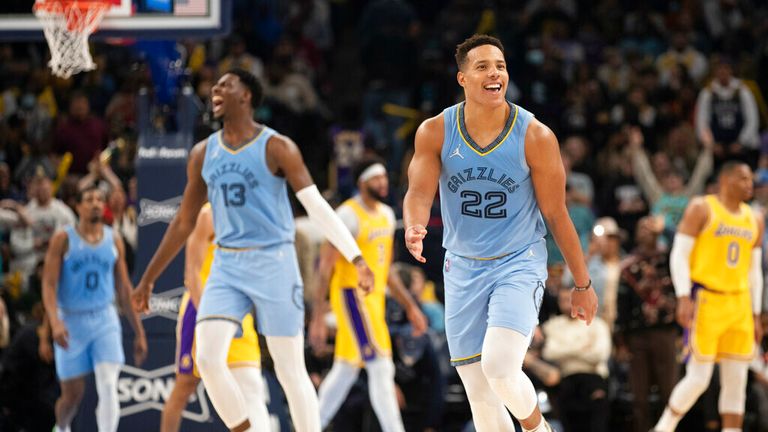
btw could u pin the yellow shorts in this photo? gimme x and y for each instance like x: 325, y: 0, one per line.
x: 244, y: 351
x: 362, y: 332
x: 722, y: 327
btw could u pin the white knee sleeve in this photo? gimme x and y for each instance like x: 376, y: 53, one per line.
x: 381, y: 386
x: 212, y: 339
x: 288, y: 355
x: 733, y: 386
x: 334, y: 389
x: 108, y: 407
x: 695, y: 382
x: 502, y: 363
x: 488, y: 412
x: 251, y: 383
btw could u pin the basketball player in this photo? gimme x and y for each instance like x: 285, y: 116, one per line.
x: 716, y: 260
x: 362, y: 336
x: 81, y: 265
x: 244, y: 358
x: 499, y: 171
x: 242, y: 170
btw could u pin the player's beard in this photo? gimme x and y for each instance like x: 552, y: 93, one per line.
x: 375, y: 194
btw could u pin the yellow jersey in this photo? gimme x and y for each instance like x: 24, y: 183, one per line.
x: 375, y: 238
x: 722, y: 253
x: 362, y: 332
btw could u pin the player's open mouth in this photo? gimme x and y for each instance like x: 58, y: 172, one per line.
x: 217, y: 102
x: 495, y: 87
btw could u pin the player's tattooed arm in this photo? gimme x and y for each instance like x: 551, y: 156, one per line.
x: 542, y: 153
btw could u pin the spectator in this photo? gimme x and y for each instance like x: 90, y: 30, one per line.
x: 621, y: 198
x: 646, y: 321
x: 80, y: 133
x: 604, y: 263
x: 419, y: 379
x: 240, y: 58
x: 681, y: 53
x: 291, y: 89
x: 614, y: 73
x: 28, y: 387
x: 8, y: 190
x: 46, y: 214
x: 668, y: 197
x: 581, y: 352
x: 424, y: 292
x: 727, y: 111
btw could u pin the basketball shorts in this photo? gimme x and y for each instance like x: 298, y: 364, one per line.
x: 503, y: 292
x: 362, y: 333
x: 95, y: 337
x: 723, y: 326
x: 243, y: 352
x: 267, y: 278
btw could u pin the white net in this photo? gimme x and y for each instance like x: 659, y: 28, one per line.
x: 67, y: 25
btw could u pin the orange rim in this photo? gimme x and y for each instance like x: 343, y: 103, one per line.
x: 54, y: 5
x: 75, y: 22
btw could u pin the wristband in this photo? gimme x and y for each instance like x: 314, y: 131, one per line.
x: 584, y: 288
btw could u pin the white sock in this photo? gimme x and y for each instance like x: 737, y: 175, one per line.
x: 108, y: 407
x: 732, y: 430
x: 488, y: 412
x: 334, y: 389
x: 251, y: 383
x: 59, y: 429
x: 381, y: 389
x: 212, y: 338
x: 502, y: 362
x: 685, y: 393
x: 288, y: 355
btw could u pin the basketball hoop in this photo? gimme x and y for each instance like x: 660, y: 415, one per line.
x: 67, y: 25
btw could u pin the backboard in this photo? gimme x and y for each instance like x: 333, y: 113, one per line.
x: 144, y: 19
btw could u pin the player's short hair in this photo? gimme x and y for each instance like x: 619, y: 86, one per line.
x: 364, y: 164
x: 92, y: 187
x: 253, y: 84
x: 474, y: 41
x: 729, y: 166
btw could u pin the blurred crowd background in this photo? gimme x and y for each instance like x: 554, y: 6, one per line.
x: 647, y: 99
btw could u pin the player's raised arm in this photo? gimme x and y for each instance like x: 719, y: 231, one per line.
x: 423, y: 177
x: 51, y: 272
x: 284, y: 159
x: 178, y: 230
x: 542, y: 153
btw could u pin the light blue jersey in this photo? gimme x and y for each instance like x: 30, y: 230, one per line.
x: 487, y: 200
x: 250, y: 204
x: 87, y: 281
x: 255, y: 264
